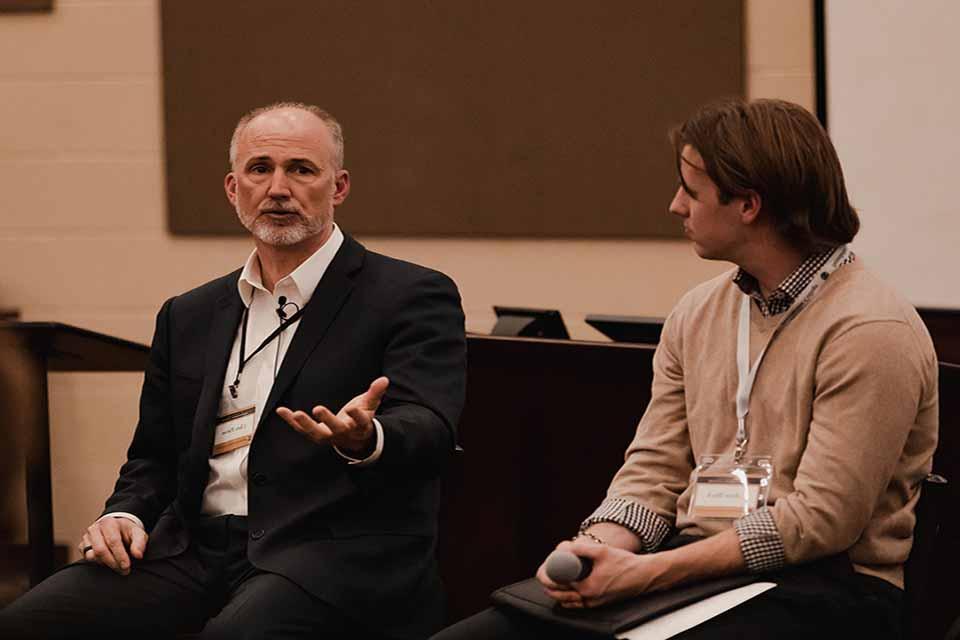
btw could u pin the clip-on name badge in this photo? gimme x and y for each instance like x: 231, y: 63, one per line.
x: 233, y: 430
x: 726, y: 489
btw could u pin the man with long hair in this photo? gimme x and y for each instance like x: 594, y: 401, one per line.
x: 793, y: 414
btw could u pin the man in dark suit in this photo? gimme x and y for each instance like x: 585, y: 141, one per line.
x: 295, y: 414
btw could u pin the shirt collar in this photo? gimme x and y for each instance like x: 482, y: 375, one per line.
x: 783, y: 297
x: 304, y: 279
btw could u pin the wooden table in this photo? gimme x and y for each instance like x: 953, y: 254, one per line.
x: 58, y: 347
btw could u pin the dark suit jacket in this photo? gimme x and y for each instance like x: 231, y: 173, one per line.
x: 361, y: 539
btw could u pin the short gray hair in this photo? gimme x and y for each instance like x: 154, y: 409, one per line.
x: 336, y: 131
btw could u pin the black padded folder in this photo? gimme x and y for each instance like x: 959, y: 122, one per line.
x: 528, y: 597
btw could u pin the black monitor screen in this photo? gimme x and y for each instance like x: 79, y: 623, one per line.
x: 529, y: 323
x: 627, y: 328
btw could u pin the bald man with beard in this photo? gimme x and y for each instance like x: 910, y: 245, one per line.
x: 282, y: 480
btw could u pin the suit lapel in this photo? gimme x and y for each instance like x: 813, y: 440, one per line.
x: 224, y: 320
x: 223, y: 331
x: 327, y: 300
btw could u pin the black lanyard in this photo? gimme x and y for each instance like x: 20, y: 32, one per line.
x: 243, y: 342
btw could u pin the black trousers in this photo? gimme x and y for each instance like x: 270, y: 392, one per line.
x: 822, y: 600
x: 211, y: 588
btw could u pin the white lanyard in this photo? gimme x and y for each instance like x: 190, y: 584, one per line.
x: 747, y: 374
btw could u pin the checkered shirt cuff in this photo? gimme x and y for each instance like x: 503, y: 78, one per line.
x: 760, y: 541
x: 649, y: 527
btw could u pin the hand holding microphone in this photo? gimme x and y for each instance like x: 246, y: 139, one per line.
x: 563, y: 567
x: 590, y: 572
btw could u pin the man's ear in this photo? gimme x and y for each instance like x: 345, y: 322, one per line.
x: 342, y: 184
x: 230, y: 186
x: 750, y: 205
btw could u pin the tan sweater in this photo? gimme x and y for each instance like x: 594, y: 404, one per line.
x: 845, y: 402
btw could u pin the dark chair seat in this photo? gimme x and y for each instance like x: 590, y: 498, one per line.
x: 931, y: 604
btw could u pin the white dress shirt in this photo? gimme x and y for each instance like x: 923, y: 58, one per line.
x: 226, y: 490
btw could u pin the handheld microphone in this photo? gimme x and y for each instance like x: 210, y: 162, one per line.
x: 564, y: 567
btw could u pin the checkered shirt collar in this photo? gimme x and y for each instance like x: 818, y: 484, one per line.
x: 784, y: 295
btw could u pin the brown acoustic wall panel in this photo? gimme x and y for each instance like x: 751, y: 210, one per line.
x: 461, y: 117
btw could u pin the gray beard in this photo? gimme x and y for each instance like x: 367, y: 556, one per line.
x: 281, y: 235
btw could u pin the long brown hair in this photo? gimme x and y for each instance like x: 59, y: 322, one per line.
x: 778, y: 150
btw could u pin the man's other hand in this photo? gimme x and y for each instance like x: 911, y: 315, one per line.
x: 351, y: 429
x: 112, y: 541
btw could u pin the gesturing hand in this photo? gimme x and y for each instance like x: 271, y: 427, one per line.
x: 111, y: 542
x: 351, y: 429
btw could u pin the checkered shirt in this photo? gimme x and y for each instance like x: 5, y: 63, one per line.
x: 786, y: 294
x: 760, y: 541
x: 649, y: 527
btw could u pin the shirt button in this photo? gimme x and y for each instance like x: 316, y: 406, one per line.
x: 259, y: 479
x: 256, y: 534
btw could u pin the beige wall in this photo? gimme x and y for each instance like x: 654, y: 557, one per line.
x: 82, y: 230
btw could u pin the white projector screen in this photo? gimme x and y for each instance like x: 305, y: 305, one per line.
x: 893, y: 111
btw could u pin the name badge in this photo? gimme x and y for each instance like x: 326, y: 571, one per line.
x: 724, y: 489
x: 233, y: 430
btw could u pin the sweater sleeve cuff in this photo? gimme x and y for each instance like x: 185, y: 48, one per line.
x: 648, y: 526
x: 760, y: 541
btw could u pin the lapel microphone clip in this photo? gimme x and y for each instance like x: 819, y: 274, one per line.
x: 282, y: 304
